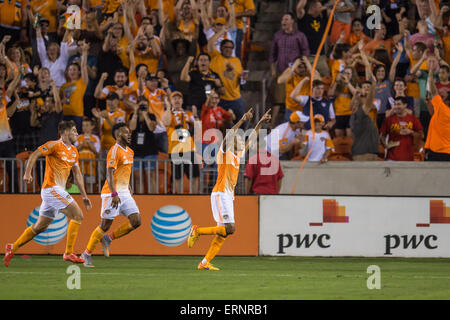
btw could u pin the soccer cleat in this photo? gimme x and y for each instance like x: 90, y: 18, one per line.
x: 193, y: 236
x: 72, y: 258
x: 207, y: 266
x: 87, y: 260
x: 106, y: 241
x: 8, y: 254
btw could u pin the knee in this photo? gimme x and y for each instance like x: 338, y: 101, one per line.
x: 230, y: 228
x: 78, y: 215
x: 39, y: 228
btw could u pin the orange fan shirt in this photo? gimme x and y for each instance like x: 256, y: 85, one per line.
x: 293, y: 81
x: 5, y: 129
x: 121, y: 160
x: 228, y: 171
x: 126, y: 92
x: 73, y: 93
x: 59, y: 160
x: 107, y: 140
x: 438, y: 138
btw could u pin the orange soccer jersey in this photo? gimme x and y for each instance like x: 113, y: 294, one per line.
x: 228, y: 171
x: 59, y: 160
x: 122, y: 161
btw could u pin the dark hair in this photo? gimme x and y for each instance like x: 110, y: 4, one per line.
x: 400, y: 79
x: 120, y: 70
x: 30, y: 76
x: 402, y: 99
x: 377, y: 67
x: 317, y: 83
x: 116, y: 127
x: 92, y: 121
x: 356, y: 20
x: 142, y: 98
x: 290, y: 14
x: 141, y: 65
x: 204, y: 54
x: 65, y: 125
x: 421, y: 46
x: 225, y: 41
x: 340, y: 49
x: 445, y: 67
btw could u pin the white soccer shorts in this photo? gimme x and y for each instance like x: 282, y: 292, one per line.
x: 126, y: 206
x: 54, y: 199
x: 222, y: 207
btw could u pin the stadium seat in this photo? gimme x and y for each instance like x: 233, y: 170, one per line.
x: 342, y: 149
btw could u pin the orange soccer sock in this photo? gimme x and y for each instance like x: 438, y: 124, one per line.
x: 26, y: 236
x: 214, y: 249
x: 121, y: 231
x: 72, y: 234
x: 96, y: 236
x: 218, y: 230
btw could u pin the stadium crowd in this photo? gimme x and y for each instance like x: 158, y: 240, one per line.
x: 380, y: 92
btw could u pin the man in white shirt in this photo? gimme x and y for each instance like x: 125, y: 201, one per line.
x: 282, y: 140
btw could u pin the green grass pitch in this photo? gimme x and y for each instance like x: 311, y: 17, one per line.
x: 258, y: 278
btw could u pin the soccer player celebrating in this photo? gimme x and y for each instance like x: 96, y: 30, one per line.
x: 116, y: 195
x: 61, y: 156
x: 222, y: 196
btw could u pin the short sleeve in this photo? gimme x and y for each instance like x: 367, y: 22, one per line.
x: 112, y: 159
x: 47, y: 148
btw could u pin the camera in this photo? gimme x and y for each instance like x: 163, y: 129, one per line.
x: 142, y: 107
x: 182, y: 133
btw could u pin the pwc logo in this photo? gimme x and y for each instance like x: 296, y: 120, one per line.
x: 332, y: 213
x: 439, y: 213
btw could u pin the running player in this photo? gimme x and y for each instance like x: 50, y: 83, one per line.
x: 116, y: 195
x: 222, y: 196
x: 61, y: 156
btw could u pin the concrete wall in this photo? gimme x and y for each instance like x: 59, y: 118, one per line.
x: 368, y: 178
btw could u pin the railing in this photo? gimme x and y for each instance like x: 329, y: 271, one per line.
x: 149, y: 176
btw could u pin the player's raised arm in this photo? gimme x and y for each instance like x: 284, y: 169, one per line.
x: 252, y: 138
x: 232, y: 132
x: 79, y: 181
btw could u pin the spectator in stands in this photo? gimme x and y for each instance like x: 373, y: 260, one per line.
x: 379, y: 42
x: 357, y: 33
x: 187, y: 19
x: 7, y: 147
x: 210, y: 27
x: 287, y: 44
x: 25, y: 136
x: 319, y: 103
x: 16, y: 59
x: 142, y: 124
x: 322, y: 146
x: 88, y: 99
x: 156, y: 97
x: 401, y: 127
x: 148, y: 49
x: 365, y: 145
x: 125, y: 93
x: 106, y: 120
x: 342, y: 19
x: 286, y: 137
x: 263, y: 172
x: 55, y: 57
x: 202, y: 80
x: 11, y: 19
x: 437, y: 145
x: 312, y: 20
x: 215, y: 121
x: 245, y: 8
x: 229, y: 69
x: 390, y: 10
x: 88, y: 145
x: 46, y: 117
x: 443, y: 85
x: 342, y: 91
x: 292, y: 76
x: 181, y: 142
x: 73, y: 90
x: 108, y: 58
x: 178, y: 53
